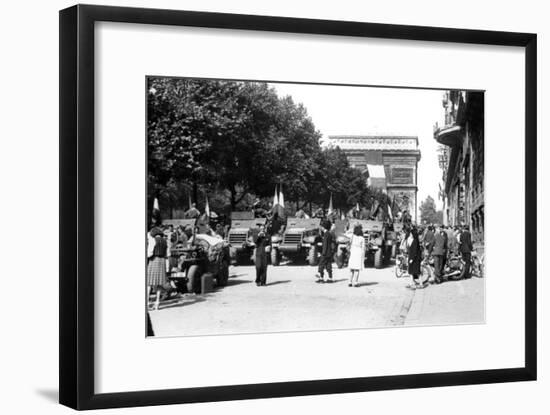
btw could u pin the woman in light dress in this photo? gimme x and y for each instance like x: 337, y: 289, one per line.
x: 357, y: 255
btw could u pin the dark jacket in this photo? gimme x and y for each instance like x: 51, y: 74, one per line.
x: 429, y: 240
x: 327, y: 250
x: 160, y: 247
x: 440, y: 243
x: 465, y: 246
x: 261, y: 241
x: 415, y: 258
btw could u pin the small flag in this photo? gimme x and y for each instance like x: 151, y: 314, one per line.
x: 275, y: 198
x: 281, y: 197
x: 207, y: 208
x: 155, y: 215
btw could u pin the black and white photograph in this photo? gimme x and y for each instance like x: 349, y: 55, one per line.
x: 287, y: 207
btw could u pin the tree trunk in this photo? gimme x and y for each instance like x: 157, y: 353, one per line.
x: 233, y: 201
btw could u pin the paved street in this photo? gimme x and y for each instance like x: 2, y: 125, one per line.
x: 292, y: 301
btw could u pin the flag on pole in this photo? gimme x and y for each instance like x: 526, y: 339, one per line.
x: 330, y: 209
x: 155, y: 216
x: 281, y: 197
x: 275, y: 198
x: 207, y: 208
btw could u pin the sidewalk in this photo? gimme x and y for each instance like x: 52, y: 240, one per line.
x: 454, y: 302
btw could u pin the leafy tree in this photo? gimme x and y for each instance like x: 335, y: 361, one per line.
x: 429, y: 213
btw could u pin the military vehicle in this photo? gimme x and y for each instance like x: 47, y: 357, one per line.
x: 376, y: 246
x: 203, y: 254
x: 393, y: 238
x: 301, y: 239
x: 239, y: 235
x: 176, y: 223
x: 342, y: 240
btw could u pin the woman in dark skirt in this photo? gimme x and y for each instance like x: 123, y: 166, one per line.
x: 415, y: 259
x: 156, y: 266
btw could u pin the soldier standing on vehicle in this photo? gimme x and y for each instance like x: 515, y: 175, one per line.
x: 439, y: 252
x: 327, y: 252
x: 465, y: 248
x: 192, y: 213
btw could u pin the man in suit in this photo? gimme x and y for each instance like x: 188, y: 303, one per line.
x: 465, y: 247
x: 327, y: 253
x: 428, y: 238
x: 439, y: 252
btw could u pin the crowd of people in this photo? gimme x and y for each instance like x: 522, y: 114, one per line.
x: 437, y: 241
x: 440, y: 242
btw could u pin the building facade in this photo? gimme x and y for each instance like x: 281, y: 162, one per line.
x: 391, y: 162
x: 461, y: 158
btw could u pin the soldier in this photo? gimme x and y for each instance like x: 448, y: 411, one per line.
x: 327, y: 252
x: 319, y: 213
x: 192, y: 213
x: 261, y: 240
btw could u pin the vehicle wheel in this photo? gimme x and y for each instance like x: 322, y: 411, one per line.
x: 181, y: 285
x: 378, y: 257
x: 274, y: 256
x: 194, y: 279
x: 233, y: 255
x: 312, y: 256
x: 340, y: 258
x: 223, y: 273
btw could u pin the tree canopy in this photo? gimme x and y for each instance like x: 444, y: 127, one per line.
x: 237, y: 140
x: 429, y: 213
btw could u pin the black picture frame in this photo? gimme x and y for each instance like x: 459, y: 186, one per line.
x: 76, y: 279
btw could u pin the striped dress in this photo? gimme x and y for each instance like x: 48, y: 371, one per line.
x: 156, y: 267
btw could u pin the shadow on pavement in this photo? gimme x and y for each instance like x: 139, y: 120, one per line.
x: 237, y: 275
x: 366, y: 284
x: 182, y: 301
x: 277, y: 282
x: 232, y: 281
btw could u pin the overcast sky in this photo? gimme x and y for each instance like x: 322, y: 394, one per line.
x: 344, y: 110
